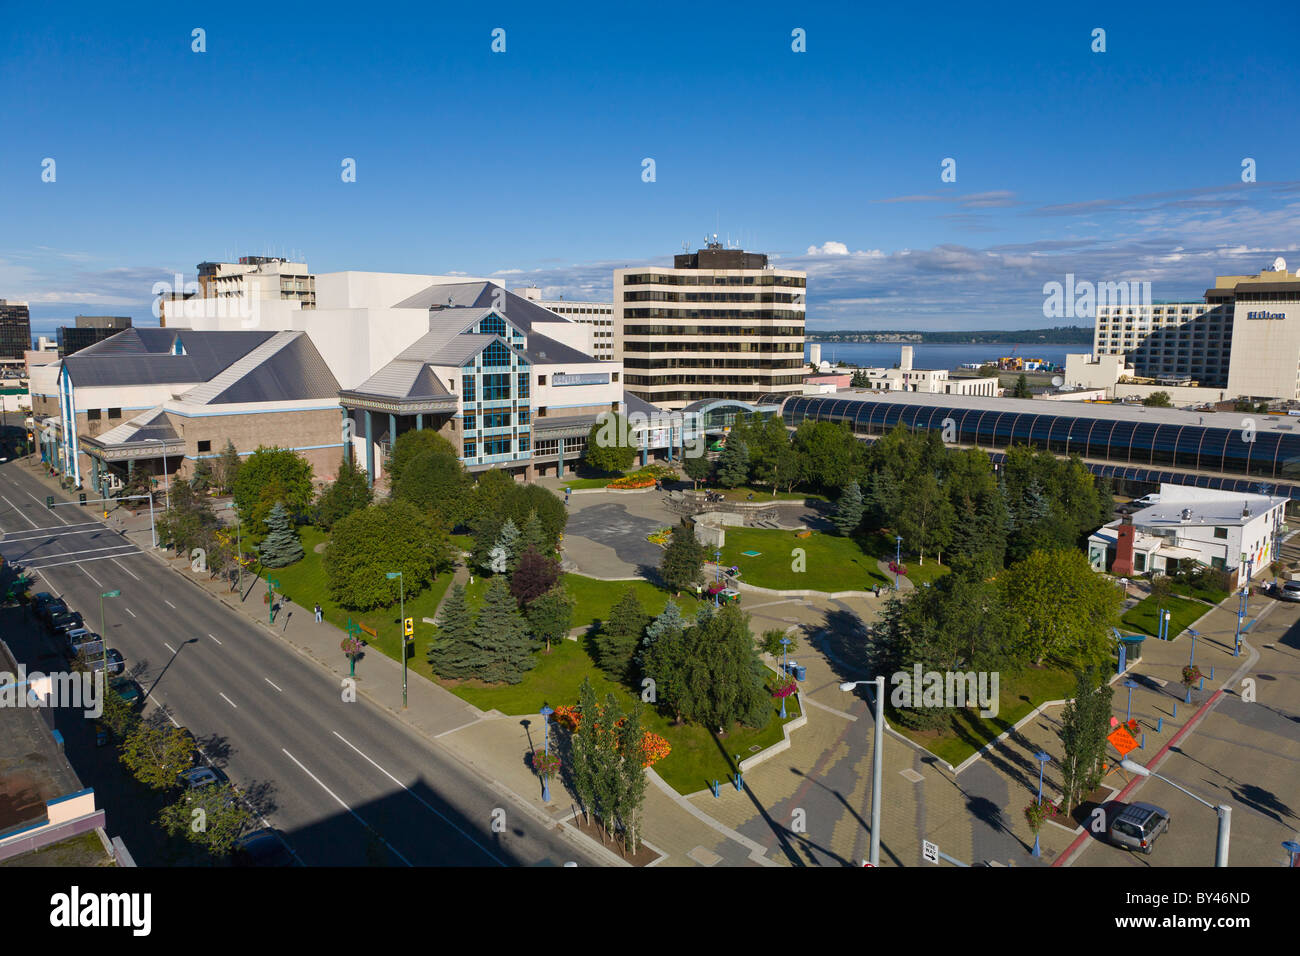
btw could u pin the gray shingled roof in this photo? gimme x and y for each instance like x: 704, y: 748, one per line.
x: 287, y: 367
x: 544, y: 349
x: 147, y: 426
x: 482, y: 295
x: 403, y: 379
x: 143, y: 356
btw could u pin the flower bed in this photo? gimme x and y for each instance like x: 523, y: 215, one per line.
x: 630, y: 482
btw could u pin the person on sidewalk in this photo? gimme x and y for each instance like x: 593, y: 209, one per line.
x: 318, y: 613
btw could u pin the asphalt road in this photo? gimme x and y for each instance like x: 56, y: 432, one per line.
x: 346, y: 783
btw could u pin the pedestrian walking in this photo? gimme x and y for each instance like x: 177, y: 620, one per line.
x: 318, y: 613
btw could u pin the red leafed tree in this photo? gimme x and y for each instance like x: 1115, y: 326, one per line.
x: 534, y: 576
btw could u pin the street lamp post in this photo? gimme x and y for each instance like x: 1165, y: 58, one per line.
x: 401, y: 584
x: 271, y: 585
x: 167, y: 485
x: 785, y: 647
x: 898, y: 557
x: 1195, y: 634
x: 1293, y: 848
x: 1042, y: 757
x: 877, y: 761
x: 1224, y: 811
x: 547, y: 710
x: 1130, y: 684
x: 717, y: 580
x: 103, y: 635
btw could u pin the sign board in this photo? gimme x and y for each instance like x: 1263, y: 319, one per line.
x: 930, y: 851
x: 409, y: 626
x: 589, y: 378
x: 114, y: 593
x: 1122, y: 740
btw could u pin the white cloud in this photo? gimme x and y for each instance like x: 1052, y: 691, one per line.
x: 829, y: 248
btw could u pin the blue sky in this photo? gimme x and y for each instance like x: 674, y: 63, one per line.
x: 527, y: 164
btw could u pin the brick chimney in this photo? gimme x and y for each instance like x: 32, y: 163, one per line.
x: 1123, y: 566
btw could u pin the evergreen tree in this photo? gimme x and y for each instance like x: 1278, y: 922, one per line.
x: 533, y: 535
x: 201, y: 480
x: 450, y: 653
x: 228, y: 467
x: 620, y: 636
x: 860, y: 380
x: 683, y: 562
x: 733, y: 463
x: 663, y: 660
x: 669, y: 622
x: 281, y: 546
x: 505, y: 553
x: 350, y: 492
x: 498, y: 649
x: 1021, y: 389
x: 849, y: 510
x: 722, y: 673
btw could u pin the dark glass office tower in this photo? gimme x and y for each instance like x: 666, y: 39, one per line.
x: 15, y: 329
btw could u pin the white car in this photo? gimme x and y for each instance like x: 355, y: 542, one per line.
x: 1290, y: 591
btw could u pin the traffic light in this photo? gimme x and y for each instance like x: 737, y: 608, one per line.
x: 410, y: 626
x: 81, y: 499
x: 49, y: 502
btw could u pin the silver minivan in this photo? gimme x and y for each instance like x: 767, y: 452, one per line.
x: 1139, y: 825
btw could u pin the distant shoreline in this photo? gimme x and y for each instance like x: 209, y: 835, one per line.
x: 1074, y: 335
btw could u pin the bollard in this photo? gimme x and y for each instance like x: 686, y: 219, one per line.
x: 740, y: 781
x: 1142, y: 744
x: 1175, y: 708
x: 715, y: 788
x: 1201, y: 685
x: 1160, y: 724
x: 1211, y: 672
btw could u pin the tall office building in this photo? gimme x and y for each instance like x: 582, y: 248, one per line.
x: 721, y: 323
x: 598, y: 316
x: 264, y: 277
x: 88, y: 330
x: 1243, y: 338
x: 15, y: 329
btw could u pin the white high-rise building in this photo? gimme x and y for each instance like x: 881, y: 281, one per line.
x: 598, y: 316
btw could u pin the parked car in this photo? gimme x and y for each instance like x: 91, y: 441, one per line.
x: 1290, y: 591
x: 197, y: 777
x: 45, y: 612
x: 1139, y: 826
x: 65, y: 622
x: 264, y: 847
x: 86, y: 647
x: 111, y: 659
x: 1146, y: 501
x: 40, y: 602
x: 128, y: 690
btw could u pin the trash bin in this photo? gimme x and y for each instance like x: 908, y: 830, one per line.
x: 800, y: 673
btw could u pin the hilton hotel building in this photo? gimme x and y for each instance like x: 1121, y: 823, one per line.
x: 721, y: 323
x: 1244, y: 338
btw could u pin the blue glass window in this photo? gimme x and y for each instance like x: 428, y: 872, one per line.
x: 471, y: 422
x: 496, y: 446
x: 467, y: 388
x: 496, y: 387
x: 496, y: 419
x: 523, y: 443
x: 496, y: 355
x: 524, y: 380
x: 525, y: 415
x: 471, y: 449
x: 492, y: 325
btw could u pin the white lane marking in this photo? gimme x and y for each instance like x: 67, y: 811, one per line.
x: 125, y: 568
x: 69, y: 554
x: 52, y: 531
x: 216, y: 640
x: 92, y: 577
x: 340, y: 802
x: 169, y: 647
x: 227, y: 700
x: 129, y: 611
x: 16, y: 511
x: 272, y: 683
x: 162, y: 707
x: 427, y: 806
x: 42, y: 504
x: 106, y: 557
x: 169, y: 604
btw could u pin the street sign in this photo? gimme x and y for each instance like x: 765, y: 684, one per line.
x: 930, y: 851
x: 117, y: 593
x: 869, y: 864
x: 1122, y: 740
x: 409, y: 626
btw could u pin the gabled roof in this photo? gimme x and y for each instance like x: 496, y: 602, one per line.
x: 404, y: 380
x: 145, y: 356
x: 147, y: 426
x: 519, y: 311
x: 286, y: 367
x: 544, y: 350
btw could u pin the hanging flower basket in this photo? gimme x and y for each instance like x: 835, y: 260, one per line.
x: 785, y: 689
x: 544, y: 765
x: 1036, y: 813
x: 1191, y: 674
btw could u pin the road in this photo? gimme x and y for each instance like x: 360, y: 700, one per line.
x: 347, y: 783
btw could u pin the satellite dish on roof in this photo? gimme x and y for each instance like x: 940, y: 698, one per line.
x: 1057, y: 381
x: 1279, y: 264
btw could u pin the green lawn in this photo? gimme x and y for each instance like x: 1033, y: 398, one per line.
x: 743, y: 492
x: 883, y: 546
x: 1142, y: 616
x: 1018, y: 694
x: 698, y: 756
x: 831, y: 563
x: 305, y: 583
x: 1204, y: 592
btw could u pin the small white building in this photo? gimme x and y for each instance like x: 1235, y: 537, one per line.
x: 905, y: 378
x: 1221, y: 529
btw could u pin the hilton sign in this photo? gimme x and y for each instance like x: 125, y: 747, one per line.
x: 1266, y: 315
